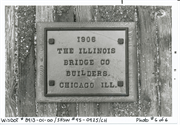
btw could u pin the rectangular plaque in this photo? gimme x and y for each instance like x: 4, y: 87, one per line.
x: 86, y: 62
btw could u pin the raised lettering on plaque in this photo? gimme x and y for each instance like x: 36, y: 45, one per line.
x: 86, y: 61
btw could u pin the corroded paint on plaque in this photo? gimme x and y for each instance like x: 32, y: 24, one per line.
x: 86, y: 61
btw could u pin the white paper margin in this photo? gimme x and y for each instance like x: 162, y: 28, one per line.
x: 175, y: 46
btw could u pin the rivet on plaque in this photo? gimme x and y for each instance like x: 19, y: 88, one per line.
x: 120, y: 83
x: 51, y: 82
x: 120, y: 41
x: 51, y: 41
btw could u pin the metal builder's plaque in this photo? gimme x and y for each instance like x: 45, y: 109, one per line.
x: 85, y: 61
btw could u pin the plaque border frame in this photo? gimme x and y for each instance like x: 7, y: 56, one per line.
x: 132, y: 72
x: 86, y: 29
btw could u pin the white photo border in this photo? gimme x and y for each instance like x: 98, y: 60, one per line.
x: 175, y: 45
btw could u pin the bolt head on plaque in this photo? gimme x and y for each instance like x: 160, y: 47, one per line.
x: 51, y: 41
x: 120, y: 41
x: 51, y: 82
x: 120, y: 83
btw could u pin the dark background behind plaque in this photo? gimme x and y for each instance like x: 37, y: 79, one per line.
x: 154, y: 58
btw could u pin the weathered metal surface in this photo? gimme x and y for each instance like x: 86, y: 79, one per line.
x: 56, y: 68
x: 89, y: 62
